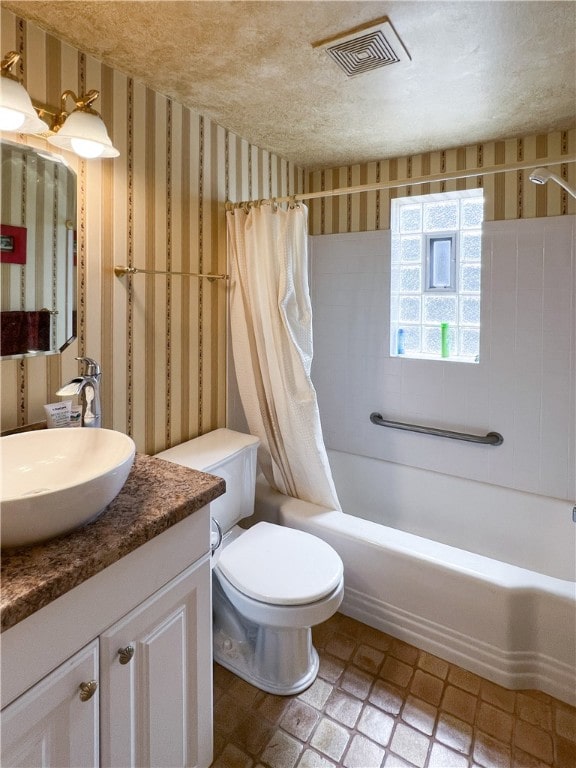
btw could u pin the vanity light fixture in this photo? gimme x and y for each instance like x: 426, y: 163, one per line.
x: 81, y: 131
x: 17, y: 114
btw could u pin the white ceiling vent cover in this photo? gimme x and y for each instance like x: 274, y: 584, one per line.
x: 364, y: 49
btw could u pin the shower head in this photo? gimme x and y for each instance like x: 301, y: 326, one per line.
x: 542, y: 175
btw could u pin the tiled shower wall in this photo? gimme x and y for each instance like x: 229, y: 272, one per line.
x: 161, y: 341
x: 523, y: 387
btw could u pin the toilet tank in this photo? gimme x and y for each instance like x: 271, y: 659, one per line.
x: 230, y: 455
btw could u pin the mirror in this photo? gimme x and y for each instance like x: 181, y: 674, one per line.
x: 37, y: 252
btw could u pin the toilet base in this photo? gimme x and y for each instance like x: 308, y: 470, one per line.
x: 278, y: 660
x: 287, y: 660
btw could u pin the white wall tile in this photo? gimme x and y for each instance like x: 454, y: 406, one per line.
x: 524, y: 386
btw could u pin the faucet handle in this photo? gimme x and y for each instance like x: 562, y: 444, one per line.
x: 92, y: 367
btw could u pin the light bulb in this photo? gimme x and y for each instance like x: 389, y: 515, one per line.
x: 87, y: 148
x: 11, y: 119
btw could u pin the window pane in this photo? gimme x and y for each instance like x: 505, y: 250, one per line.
x: 440, y: 265
x: 470, y: 278
x: 470, y: 310
x: 409, y: 309
x: 440, y: 309
x: 412, y: 338
x: 470, y: 246
x: 411, y: 218
x: 440, y: 216
x: 469, y: 342
x: 472, y: 213
x: 410, y: 279
x: 411, y: 248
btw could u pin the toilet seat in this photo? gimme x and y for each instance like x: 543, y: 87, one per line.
x: 281, y: 566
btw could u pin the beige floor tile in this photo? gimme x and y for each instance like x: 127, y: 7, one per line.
x: 457, y: 702
x: 330, y: 739
x: 420, y: 715
x: 464, y: 679
x: 565, y: 722
x: 495, y: 722
x: 534, y: 711
x: 534, y: 740
x: 331, y: 668
x: 455, y: 733
x: 386, y: 697
x: 406, y: 653
x: 357, y: 682
x: 382, y: 703
x: 433, y: 665
x: 363, y: 753
x: 282, y: 751
x: 565, y: 753
x: 491, y: 753
x: 498, y: 696
x: 299, y: 719
x: 375, y: 724
x: 442, y: 757
x: 396, y: 671
x: 410, y: 744
x: 343, y: 708
x: 427, y: 687
x: 312, y: 759
x: 369, y: 659
x: 318, y: 693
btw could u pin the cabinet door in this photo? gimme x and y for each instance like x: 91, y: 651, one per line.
x: 156, y: 678
x: 51, y: 724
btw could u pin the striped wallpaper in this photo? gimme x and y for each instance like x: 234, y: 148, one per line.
x: 508, y: 195
x: 161, y: 341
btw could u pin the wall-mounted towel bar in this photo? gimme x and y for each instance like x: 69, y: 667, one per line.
x: 121, y: 271
x: 492, y: 438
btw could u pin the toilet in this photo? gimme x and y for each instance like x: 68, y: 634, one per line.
x: 271, y: 584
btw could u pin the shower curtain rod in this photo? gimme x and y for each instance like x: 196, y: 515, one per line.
x: 375, y: 186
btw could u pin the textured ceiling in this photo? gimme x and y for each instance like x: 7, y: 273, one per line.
x: 478, y: 71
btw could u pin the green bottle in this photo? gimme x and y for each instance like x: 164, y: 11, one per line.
x: 444, y: 337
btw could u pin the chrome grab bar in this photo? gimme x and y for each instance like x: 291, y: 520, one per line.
x: 492, y: 438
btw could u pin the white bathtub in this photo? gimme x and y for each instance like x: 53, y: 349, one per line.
x: 480, y: 575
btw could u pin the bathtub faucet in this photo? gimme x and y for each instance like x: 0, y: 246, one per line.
x: 88, y: 388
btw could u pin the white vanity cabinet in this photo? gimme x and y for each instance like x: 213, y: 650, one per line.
x: 140, y: 629
x: 151, y: 701
x: 56, y: 721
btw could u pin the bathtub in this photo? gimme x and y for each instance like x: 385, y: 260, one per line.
x: 480, y: 575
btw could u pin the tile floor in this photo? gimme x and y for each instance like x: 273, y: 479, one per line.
x: 380, y: 703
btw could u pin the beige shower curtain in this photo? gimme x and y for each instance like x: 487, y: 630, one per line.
x: 271, y: 328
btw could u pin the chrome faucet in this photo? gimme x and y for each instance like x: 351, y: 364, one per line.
x: 88, y: 388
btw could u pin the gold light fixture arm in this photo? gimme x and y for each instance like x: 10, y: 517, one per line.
x: 8, y: 62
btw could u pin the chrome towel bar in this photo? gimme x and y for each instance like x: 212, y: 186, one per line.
x: 492, y: 438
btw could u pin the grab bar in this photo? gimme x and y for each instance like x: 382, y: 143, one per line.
x: 492, y: 438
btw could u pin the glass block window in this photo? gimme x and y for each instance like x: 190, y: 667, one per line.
x: 435, y: 285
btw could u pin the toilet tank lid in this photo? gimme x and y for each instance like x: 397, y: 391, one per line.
x: 209, y: 450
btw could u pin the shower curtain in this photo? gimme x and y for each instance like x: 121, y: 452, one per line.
x: 271, y: 330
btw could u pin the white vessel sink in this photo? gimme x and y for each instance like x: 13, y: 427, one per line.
x: 55, y: 480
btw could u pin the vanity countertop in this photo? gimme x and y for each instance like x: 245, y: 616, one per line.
x: 156, y: 496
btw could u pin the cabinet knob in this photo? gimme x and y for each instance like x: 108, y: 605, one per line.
x: 87, y: 690
x: 125, y: 654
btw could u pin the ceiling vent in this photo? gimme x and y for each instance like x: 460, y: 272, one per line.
x: 366, y: 48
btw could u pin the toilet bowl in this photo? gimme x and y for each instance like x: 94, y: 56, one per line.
x: 271, y: 584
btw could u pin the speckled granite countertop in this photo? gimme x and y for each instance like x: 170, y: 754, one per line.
x: 156, y: 496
